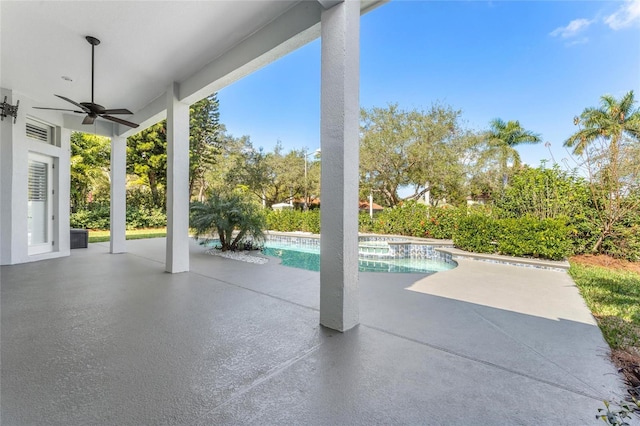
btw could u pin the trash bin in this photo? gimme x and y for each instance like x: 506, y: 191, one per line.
x: 79, y: 238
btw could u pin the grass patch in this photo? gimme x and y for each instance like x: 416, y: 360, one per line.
x: 612, y: 293
x: 133, y: 234
x: 614, y: 299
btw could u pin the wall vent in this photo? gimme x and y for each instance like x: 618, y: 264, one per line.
x: 40, y: 132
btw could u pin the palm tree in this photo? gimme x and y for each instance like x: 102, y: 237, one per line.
x: 612, y: 163
x: 612, y: 121
x: 502, y: 138
x: 232, y: 216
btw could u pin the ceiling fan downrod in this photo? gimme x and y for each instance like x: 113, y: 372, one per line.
x: 93, y: 42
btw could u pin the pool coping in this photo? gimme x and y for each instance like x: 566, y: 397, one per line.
x: 524, y: 262
x: 446, y: 246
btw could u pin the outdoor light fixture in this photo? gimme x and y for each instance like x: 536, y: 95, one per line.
x: 9, y: 110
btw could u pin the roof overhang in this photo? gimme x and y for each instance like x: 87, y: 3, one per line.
x: 146, y: 46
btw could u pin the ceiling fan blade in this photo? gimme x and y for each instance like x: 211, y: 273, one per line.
x: 61, y: 109
x: 82, y: 107
x: 89, y: 119
x: 116, y: 111
x: 119, y: 120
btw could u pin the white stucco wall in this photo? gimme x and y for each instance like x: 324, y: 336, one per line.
x: 15, y: 147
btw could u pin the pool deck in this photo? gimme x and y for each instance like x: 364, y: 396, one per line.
x: 98, y: 339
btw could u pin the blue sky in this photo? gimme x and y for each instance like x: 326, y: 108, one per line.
x: 539, y: 62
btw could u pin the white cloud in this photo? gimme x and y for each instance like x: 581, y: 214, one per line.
x: 627, y: 15
x: 574, y: 28
x: 577, y: 41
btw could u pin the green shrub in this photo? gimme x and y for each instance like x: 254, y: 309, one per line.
x: 98, y: 216
x: 138, y: 197
x: 365, y: 222
x: 544, y: 193
x: 477, y: 233
x: 294, y: 220
x: 403, y: 219
x: 284, y: 220
x: 524, y: 237
x: 531, y: 237
x: 311, y: 221
x: 145, y: 217
x: 418, y: 220
x: 583, y: 232
x: 624, y: 243
x: 443, y: 221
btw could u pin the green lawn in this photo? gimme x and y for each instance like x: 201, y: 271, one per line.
x: 134, y: 234
x: 614, y: 299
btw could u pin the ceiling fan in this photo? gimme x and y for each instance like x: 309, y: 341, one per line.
x: 92, y: 109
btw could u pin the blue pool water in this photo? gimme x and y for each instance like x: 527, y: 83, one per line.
x: 305, y: 257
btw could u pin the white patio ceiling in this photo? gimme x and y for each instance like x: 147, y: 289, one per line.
x: 145, y: 46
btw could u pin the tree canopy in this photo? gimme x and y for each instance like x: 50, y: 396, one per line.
x: 147, y: 151
x: 273, y: 177
x: 422, y: 150
x: 147, y: 159
x: 90, y: 158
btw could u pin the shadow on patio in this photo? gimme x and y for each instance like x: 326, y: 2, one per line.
x: 112, y: 339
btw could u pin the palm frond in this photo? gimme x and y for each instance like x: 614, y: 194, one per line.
x: 611, y: 121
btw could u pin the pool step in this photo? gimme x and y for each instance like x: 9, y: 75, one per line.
x: 374, y: 250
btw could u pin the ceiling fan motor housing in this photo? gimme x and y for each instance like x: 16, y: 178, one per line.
x: 92, y: 40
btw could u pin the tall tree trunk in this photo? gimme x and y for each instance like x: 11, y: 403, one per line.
x: 598, y: 245
x: 201, y: 192
x: 191, y: 185
x: 153, y: 185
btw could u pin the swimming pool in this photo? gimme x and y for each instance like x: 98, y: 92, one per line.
x: 374, y: 255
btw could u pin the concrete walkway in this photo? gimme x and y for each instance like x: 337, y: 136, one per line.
x: 112, y: 339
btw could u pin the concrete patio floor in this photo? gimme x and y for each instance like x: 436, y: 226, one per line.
x: 112, y: 339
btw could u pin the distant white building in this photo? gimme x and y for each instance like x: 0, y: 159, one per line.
x: 282, y: 206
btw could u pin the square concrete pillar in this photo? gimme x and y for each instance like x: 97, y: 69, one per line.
x: 339, y: 138
x: 177, y: 259
x: 118, y: 205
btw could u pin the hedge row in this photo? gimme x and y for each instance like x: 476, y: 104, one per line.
x: 98, y: 217
x: 412, y: 219
x: 526, y: 236
x: 523, y: 237
x: 418, y: 220
x: 294, y: 220
x: 469, y: 229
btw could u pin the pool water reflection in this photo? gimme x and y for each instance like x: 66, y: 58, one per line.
x: 308, y: 258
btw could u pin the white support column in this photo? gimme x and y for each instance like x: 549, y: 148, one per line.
x: 177, y: 183
x: 340, y: 120
x: 63, y: 194
x: 118, y: 194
